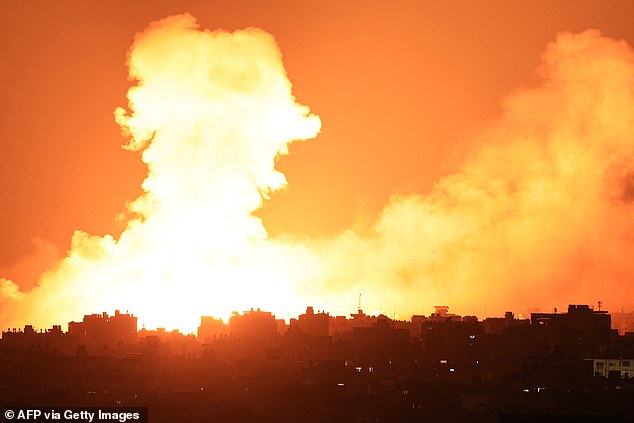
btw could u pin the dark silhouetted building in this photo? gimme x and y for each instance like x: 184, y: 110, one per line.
x: 211, y: 328
x: 315, y: 324
x: 50, y: 340
x: 253, y: 325
x: 105, y: 335
x: 580, y: 333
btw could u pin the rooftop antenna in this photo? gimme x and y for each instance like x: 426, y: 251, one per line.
x: 599, y: 303
x: 359, y: 303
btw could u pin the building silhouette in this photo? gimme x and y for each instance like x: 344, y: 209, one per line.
x: 101, y: 334
x: 322, y: 368
x: 211, y: 328
x: 253, y: 325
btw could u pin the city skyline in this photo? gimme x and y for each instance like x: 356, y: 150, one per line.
x: 565, y: 366
x: 624, y: 324
x: 317, y: 211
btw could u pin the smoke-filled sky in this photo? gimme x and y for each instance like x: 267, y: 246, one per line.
x: 480, y: 156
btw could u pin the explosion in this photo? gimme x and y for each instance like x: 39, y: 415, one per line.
x: 541, y: 215
x: 210, y: 112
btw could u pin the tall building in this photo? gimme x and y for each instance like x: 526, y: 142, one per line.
x: 211, y: 328
x: 103, y: 334
x: 253, y: 325
x: 582, y: 332
x: 315, y: 324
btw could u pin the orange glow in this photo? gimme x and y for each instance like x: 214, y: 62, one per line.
x: 422, y: 188
x: 543, y: 212
x: 210, y: 113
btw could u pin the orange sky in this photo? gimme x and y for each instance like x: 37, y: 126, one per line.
x: 399, y: 89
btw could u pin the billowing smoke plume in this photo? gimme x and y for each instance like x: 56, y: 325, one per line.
x: 541, y: 216
x: 210, y: 112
